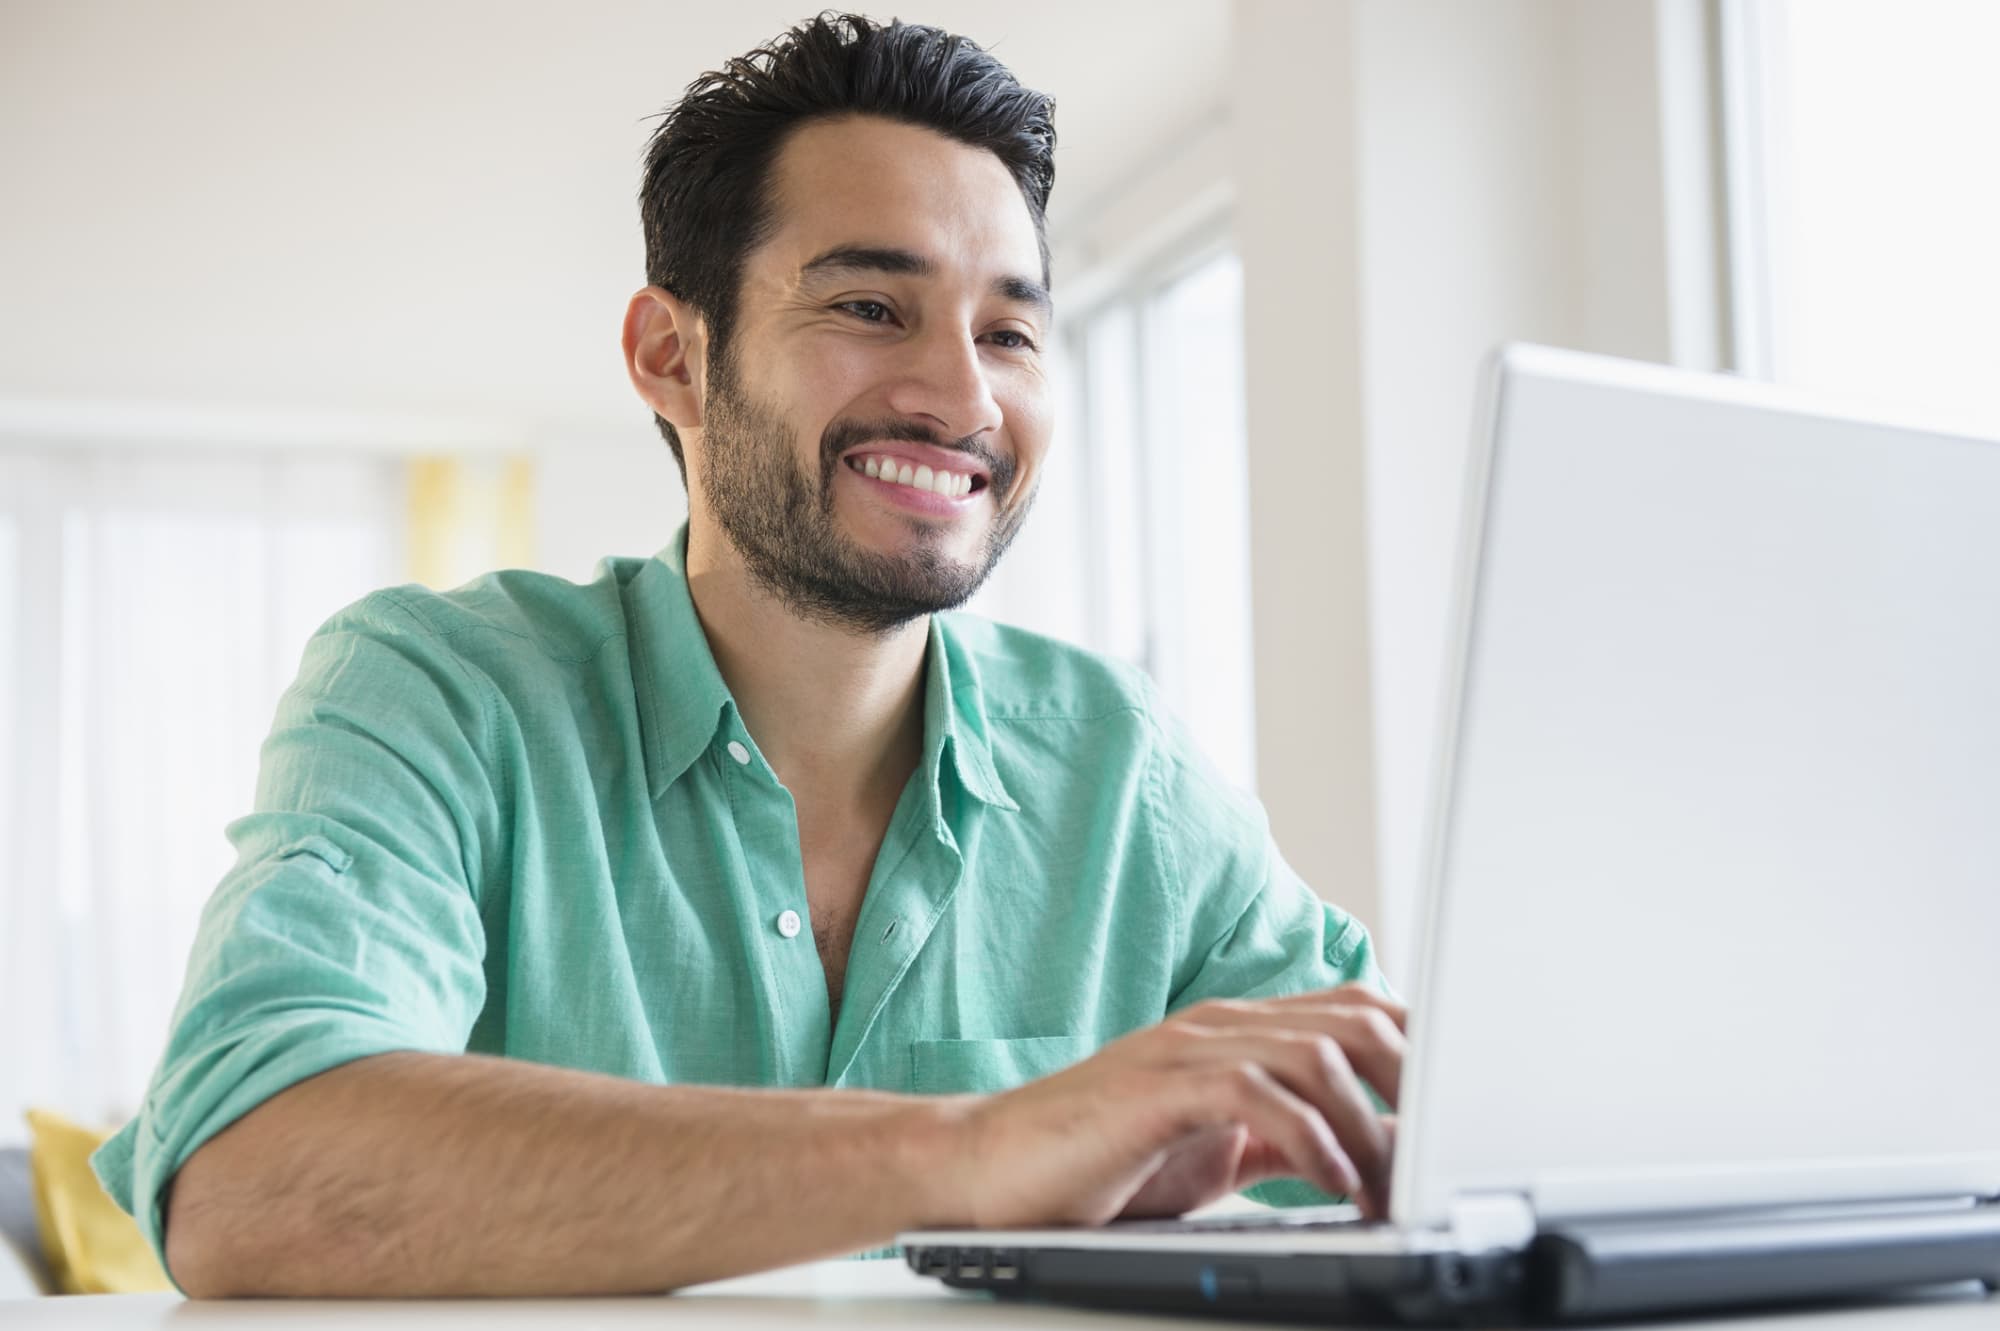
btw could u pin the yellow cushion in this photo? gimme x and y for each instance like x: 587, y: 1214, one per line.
x: 92, y: 1247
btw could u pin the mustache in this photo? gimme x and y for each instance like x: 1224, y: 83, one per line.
x: 842, y: 435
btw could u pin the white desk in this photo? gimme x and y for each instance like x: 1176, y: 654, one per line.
x: 867, y: 1296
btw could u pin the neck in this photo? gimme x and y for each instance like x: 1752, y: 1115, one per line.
x: 839, y: 714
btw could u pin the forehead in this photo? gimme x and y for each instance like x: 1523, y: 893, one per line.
x: 863, y: 180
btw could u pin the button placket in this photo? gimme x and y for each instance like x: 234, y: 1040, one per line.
x: 914, y: 895
x: 767, y: 832
x: 787, y: 922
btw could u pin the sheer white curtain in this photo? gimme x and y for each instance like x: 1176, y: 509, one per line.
x: 152, y: 608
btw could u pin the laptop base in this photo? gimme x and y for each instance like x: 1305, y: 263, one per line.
x: 1572, y: 1271
x: 1621, y: 1267
x: 1416, y: 1287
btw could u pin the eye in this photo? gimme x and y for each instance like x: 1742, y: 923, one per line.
x: 1020, y: 341
x: 868, y: 311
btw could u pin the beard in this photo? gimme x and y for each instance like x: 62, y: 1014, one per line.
x: 780, y: 518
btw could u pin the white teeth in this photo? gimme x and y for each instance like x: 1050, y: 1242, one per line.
x: 950, y: 484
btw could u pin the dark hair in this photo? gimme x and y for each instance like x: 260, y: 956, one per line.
x: 705, y: 201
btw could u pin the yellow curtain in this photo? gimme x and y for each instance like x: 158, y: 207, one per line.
x: 469, y: 516
x: 92, y: 1247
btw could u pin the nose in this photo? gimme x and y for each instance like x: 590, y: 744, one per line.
x: 944, y: 380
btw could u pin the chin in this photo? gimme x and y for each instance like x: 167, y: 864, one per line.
x: 895, y: 534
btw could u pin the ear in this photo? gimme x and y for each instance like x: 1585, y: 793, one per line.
x: 666, y: 345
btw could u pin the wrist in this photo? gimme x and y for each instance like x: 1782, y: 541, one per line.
x: 931, y: 1147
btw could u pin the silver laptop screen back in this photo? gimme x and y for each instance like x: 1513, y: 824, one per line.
x: 1715, y: 893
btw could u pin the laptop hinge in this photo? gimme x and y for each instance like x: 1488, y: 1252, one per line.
x: 1489, y: 1221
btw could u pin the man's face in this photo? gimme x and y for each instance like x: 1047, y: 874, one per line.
x: 893, y: 322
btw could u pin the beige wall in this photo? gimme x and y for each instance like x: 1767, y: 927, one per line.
x: 1418, y: 181
x: 1298, y: 117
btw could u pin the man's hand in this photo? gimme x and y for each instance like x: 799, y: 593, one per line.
x: 1215, y: 1098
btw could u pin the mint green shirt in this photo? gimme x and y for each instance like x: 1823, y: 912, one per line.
x: 524, y: 818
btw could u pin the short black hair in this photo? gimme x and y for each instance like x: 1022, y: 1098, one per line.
x: 705, y: 201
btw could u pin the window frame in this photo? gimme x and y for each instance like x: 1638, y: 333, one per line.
x: 1747, y: 34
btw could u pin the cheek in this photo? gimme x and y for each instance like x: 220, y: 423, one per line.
x: 809, y: 404
x: 1029, y: 416
x: 834, y: 371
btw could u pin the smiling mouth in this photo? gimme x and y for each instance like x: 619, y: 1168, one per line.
x: 897, y: 471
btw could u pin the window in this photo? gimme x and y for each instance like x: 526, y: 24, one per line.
x: 1865, y: 201
x: 1199, y: 549
x: 1139, y: 546
x: 151, y: 611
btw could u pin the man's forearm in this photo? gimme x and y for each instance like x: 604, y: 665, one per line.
x: 410, y: 1174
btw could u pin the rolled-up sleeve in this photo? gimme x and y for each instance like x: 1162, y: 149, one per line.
x: 350, y: 923
x: 1279, y: 939
x: 1249, y: 927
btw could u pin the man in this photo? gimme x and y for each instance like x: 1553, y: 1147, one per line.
x: 585, y: 828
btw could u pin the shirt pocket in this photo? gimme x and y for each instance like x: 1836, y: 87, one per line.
x: 952, y: 1067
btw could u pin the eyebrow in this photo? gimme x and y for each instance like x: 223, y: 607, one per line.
x: 909, y: 263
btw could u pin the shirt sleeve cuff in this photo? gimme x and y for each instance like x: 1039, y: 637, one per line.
x: 193, y: 1103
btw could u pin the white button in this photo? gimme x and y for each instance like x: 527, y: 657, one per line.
x: 788, y: 924
x: 738, y: 752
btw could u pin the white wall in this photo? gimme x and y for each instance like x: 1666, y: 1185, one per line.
x: 372, y: 224
x: 598, y: 500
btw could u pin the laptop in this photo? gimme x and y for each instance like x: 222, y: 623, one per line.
x: 1706, y: 1009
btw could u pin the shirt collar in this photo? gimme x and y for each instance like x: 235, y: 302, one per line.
x: 955, y: 719
x: 682, y: 698
x: 684, y: 703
